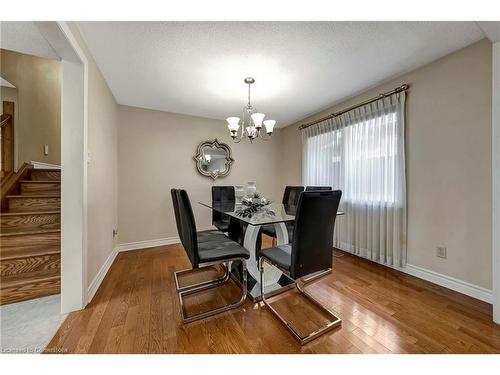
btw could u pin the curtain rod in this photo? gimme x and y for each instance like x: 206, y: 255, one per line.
x: 403, y: 87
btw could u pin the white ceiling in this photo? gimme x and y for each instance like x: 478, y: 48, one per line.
x: 24, y: 37
x: 300, y: 68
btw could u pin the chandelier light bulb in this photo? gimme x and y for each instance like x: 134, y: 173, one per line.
x: 233, y: 124
x: 251, y: 131
x: 269, y: 124
x: 257, y: 119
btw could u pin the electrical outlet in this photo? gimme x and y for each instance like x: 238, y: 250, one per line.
x: 115, y: 232
x: 441, y: 252
x: 46, y: 150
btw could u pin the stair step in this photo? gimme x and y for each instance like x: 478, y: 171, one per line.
x: 30, y: 264
x: 26, y: 286
x: 45, y: 174
x: 12, y: 222
x: 29, y: 244
x: 27, y: 203
x: 37, y: 187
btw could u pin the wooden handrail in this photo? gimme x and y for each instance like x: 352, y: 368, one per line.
x: 10, y: 182
x: 4, y: 119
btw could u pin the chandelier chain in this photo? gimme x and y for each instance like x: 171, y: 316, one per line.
x: 249, y: 105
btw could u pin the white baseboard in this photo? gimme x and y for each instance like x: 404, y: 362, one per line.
x: 41, y: 165
x: 449, y: 282
x: 148, y: 243
x: 94, y: 285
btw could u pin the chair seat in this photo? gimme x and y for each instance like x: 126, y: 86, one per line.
x: 220, y: 249
x: 279, y: 255
x: 211, y: 235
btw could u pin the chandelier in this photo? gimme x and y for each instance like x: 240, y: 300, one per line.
x: 251, y: 121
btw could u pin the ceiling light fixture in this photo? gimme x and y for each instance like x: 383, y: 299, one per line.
x: 251, y: 121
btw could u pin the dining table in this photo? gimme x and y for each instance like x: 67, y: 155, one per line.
x: 276, y: 214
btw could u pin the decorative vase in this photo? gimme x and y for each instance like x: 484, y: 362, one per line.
x: 239, y: 192
x: 251, y: 189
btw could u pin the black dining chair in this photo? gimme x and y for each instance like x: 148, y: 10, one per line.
x: 202, y: 237
x: 310, y: 254
x: 290, y: 198
x: 318, y: 188
x: 222, y: 195
x: 204, y: 249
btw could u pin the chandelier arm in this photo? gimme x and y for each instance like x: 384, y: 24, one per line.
x: 264, y: 139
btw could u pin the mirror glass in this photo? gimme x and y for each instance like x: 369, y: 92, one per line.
x: 213, y: 159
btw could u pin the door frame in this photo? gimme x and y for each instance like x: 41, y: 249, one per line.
x: 495, y: 127
x: 74, y: 155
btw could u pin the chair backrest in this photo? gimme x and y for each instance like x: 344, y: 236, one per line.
x: 221, y: 194
x: 175, y: 203
x: 292, y: 194
x: 316, y: 188
x: 312, y: 241
x: 186, y: 226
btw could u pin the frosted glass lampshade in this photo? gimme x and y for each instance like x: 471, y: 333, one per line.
x: 251, y: 131
x: 269, y: 124
x: 257, y: 119
x: 233, y: 124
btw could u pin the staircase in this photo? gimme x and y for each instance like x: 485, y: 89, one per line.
x: 30, y: 236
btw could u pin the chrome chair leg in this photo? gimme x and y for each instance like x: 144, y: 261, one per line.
x: 218, y: 281
x: 300, y: 284
x: 206, y: 314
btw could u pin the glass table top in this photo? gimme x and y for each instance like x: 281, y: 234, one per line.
x: 270, y: 214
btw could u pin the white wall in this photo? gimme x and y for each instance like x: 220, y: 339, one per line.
x: 155, y: 153
x: 102, y: 168
x: 448, y: 153
x: 38, y: 110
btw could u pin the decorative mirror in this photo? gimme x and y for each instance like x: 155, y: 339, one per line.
x: 213, y: 159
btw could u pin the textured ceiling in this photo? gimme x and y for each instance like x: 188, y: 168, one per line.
x: 198, y: 68
x: 24, y: 37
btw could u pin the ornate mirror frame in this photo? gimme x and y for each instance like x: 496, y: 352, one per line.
x: 213, y: 144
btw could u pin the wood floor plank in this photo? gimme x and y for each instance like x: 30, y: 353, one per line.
x: 136, y: 310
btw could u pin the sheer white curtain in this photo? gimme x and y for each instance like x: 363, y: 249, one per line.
x: 362, y: 153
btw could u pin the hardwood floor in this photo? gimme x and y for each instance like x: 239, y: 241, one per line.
x: 136, y: 310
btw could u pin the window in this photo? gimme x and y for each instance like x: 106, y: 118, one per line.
x: 359, y: 158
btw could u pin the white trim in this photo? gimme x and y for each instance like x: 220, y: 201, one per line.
x: 495, y: 172
x: 96, y: 282
x: 446, y: 281
x: 148, y: 243
x: 449, y: 282
x: 64, y: 27
x: 94, y: 285
x: 42, y: 165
